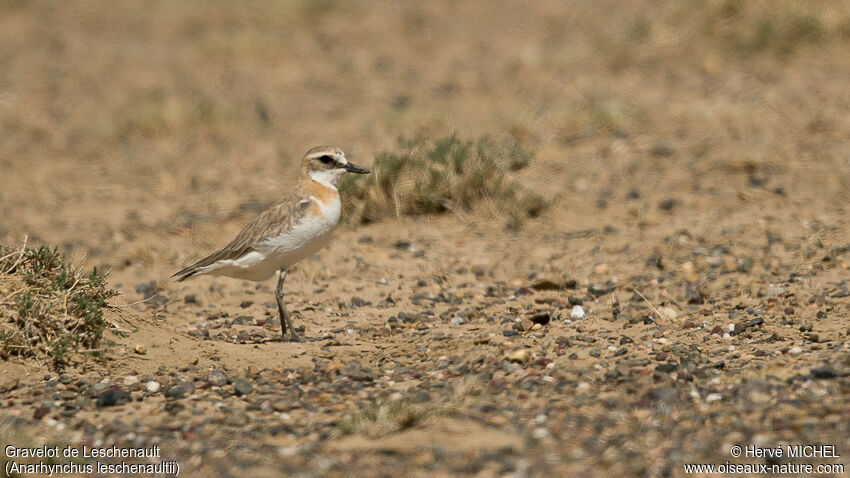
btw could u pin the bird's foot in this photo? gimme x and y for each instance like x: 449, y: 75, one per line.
x: 292, y: 338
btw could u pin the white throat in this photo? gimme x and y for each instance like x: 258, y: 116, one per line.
x: 328, y: 177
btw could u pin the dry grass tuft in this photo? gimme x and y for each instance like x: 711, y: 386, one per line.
x: 49, y: 308
x: 393, y: 416
x: 450, y: 174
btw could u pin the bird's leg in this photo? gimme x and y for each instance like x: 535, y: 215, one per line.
x: 281, y: 309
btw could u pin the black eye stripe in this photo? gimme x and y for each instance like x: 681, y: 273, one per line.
x: 326, y: 159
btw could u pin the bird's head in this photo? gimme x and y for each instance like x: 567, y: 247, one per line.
x: 326, y: 164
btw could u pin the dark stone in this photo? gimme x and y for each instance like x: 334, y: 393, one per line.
x: 246, y: 303
x: 113, y: 397
x: 358, y: 302
x: 181, y: 390
x: 654, y: 260
x: 542, y: 318
x: 157, y: 301
x: 737, y: 329
x: 668, y: 204
x: 666, y: 367
x: 573, y: 300
x: 662, y: 149
x: 825, y: 373
x: 217, y: 378
x: 190, y: 299
x: 409, y: 318
x: 403, y: 245
x: 357, y: 372
x: 147, y: 289
x: 546, y: 284
x: 509, y: 333
x: 242, y: 387
x: 598, y: 291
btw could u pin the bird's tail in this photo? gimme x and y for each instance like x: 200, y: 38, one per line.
x: 186, y: 273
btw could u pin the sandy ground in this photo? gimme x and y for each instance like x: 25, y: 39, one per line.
x: 697, y: 151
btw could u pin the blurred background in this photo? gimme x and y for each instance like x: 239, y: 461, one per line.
x: 122, y: 119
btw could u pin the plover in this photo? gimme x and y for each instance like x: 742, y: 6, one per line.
x: 287, y: 232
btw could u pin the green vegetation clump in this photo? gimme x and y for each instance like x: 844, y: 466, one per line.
x: 782, y: 34
x: 432, y: 177
x: 49, y: 308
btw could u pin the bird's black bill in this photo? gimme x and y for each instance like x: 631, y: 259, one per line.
x: 353, y: 168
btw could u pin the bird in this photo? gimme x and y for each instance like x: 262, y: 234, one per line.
x: 289, y: 231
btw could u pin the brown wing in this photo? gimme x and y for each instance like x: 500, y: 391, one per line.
x: 274, y: 221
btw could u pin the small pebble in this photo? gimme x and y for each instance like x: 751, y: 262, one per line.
x: 217, y: 378
x: 577, y: 313
x: 242, y: 387
x: 113, y: 397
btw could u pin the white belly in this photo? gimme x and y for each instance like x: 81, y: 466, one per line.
x: 269, y: 256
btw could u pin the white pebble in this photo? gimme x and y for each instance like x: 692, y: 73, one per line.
x: 152, y: 386
x: 287, y: 451
x: 713, y: 397
x: 577, y: 313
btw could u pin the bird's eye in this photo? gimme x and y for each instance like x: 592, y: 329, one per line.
x: 326, y: 159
